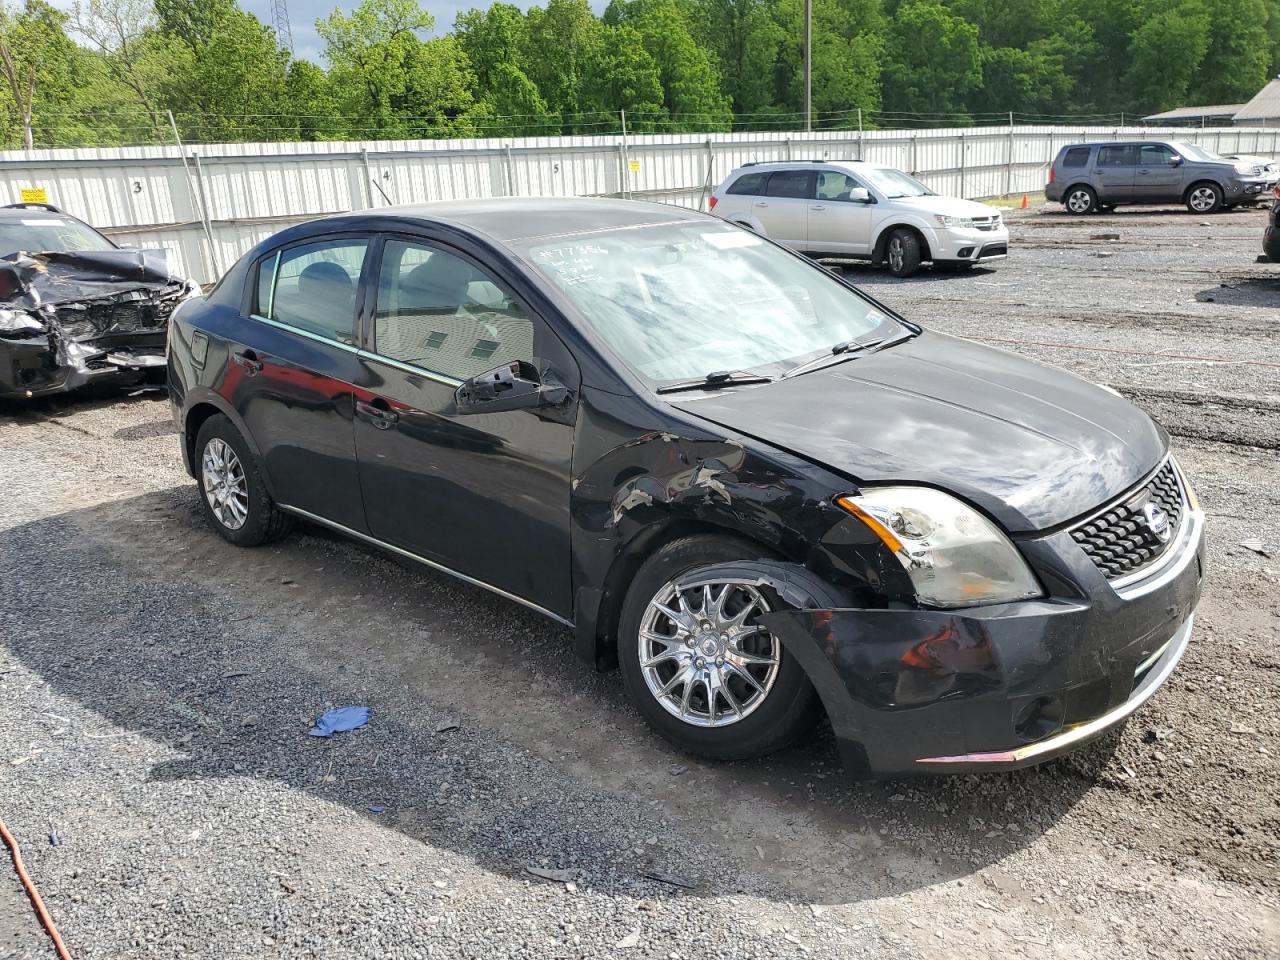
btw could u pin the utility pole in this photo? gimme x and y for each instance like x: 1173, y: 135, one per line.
x: 808, y: 64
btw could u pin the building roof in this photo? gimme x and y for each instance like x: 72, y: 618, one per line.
x: 1265, y: 104
x: 1195, y: 113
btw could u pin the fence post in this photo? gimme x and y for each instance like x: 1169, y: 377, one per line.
x: 196, y: 208
x: 787, y: 144
x: 915, y: 158
x: 962, y: 164
x: 711, y: 172
x: 508, y: 170
x: 208, y: 220
x: 1008, y: 170
x: 626, y: 160
x: 368, y: 177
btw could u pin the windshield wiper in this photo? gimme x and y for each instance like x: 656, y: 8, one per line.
x: 842, y: 350
x: 715, y: 380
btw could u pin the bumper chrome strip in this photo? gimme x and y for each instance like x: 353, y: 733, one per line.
x: 1175, y: 560
x: 1173, y: 650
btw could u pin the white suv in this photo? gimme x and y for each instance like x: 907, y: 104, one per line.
x: 855, y: 210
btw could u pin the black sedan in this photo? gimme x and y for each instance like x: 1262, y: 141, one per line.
x: 1271, y: 233
x: 758, y: 491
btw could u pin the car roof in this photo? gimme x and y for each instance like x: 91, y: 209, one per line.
x: 510, y: 219
x: 18, y: 212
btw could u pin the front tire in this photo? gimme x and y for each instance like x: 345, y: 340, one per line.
x: 232, y: 491
x: 698, y: 666
x: 1204, y: 198
x: 902, y: 253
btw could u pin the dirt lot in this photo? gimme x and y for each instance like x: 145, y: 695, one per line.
x: 156, y: 686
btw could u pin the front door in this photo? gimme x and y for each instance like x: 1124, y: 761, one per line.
x: 293, y: 362
x: 784, y: 210
x: 836, y: 223
x: 1115, y: 171
x: 1158, y: 177
x: 483, y: 494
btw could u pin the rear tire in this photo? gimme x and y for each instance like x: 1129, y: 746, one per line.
x: 902, y: 253
x: 232, y: 491
x: 1204, y: 198
x: 776, y: 705
x: 1080, y: 200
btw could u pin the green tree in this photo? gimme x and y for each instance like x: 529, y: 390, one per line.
x: 36, y: 57
x: 132, y: 52
x: 932, y: 60
x: 689, y: 73
x: 1165, y: 54
x: 1238, y: 60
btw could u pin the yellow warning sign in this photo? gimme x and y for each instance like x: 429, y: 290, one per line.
x: 633, y: 166
x: 34, y: 195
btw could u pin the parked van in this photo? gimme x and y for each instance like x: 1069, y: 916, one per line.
x: 1086, y: 177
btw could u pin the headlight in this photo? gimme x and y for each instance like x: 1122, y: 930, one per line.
x: 1247, y: 170
x: 955, y: 556
x: 953, y: 222
x: 19, y: 321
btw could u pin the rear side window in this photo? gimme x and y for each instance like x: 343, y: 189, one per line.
x: 1120, y: 155
x: 1076, y: 157
x: 751, y: 184
x: 313, y: 287
x: 792, y: 183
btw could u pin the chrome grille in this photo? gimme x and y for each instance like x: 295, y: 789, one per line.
x: 1119, y: 541
x: 986, y: 223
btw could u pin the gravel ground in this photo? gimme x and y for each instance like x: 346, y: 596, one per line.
x: 156, y: 685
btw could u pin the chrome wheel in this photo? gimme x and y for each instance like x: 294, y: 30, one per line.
x: 702, y: 655
x: 896, y: 253
x: 1079, y: 201
x: 224, y: 484
x: 1203, y: 199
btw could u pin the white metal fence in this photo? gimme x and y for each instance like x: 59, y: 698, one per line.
x: 213, y: 203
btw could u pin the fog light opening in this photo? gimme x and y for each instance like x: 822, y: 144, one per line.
x: 1038, y: 719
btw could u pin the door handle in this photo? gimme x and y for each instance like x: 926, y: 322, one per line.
x: 1143, y: 173
x: 379, y: 414
x: 818, y: 207
x: 249, y: 361
x: 760, y: 203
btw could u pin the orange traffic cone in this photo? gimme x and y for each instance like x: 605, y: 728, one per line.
x: 1025, y: 203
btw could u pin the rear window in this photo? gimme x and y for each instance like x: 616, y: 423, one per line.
x: 751, y: 184
x: 1076, y: 157
x: 793, y: 183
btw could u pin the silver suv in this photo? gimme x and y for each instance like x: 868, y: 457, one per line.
x: 1090, y: 176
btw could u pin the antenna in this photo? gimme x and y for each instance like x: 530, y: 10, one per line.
x: 280, y: 22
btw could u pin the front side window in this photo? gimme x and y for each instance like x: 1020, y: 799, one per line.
x: 1154, y: 155
x: 683, y: 300
x: 835, y: 186
x: 1119, y: 155
x: 313, y: 287
x: 439, y: 312
x: 797, y: 184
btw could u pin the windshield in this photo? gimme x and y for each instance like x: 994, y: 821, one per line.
x: 894, y: 183
x: 48, y: 235
x: 1192, y: 152
x: 681, y: 301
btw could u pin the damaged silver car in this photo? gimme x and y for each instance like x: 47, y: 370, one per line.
x: 75, y: 309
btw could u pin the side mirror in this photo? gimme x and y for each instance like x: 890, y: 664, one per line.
x: 1175, y: 161
x: 860, y: 195
x: 512, y: 386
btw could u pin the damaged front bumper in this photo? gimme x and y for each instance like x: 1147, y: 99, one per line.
x: 72, y: 320
x: 914, y: 691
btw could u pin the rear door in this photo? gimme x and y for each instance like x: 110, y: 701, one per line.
x: 1157, y: 177
x: 291, y: 372
x: 483, y: 494
x: 784, y: 209
x: 836, y: 223
x: 1115, y: 170
x: 735, y: 203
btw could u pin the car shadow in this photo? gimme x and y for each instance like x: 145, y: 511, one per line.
x: 487, y: 737
x: 862, y: 274
x: 1243, y: 292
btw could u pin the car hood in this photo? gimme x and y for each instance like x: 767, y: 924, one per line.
x: 945, y: 206
x: 1031, y: 445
